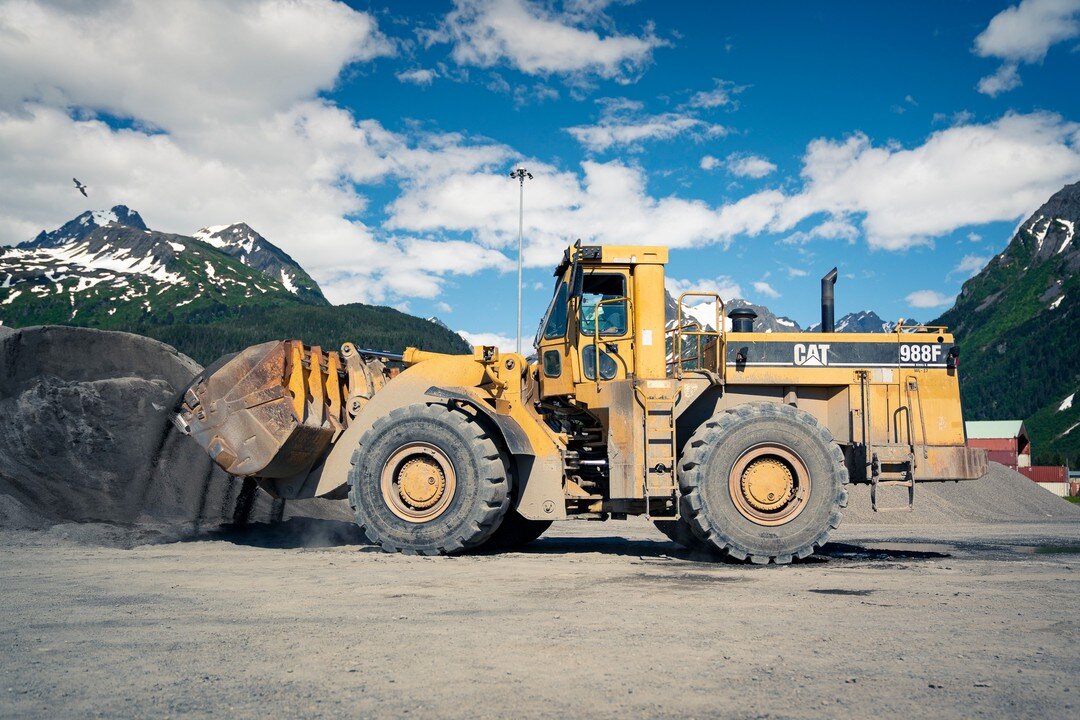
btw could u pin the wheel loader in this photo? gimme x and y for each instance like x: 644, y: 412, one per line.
x: 731, y: 440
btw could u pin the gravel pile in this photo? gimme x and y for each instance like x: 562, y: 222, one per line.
x: 86, y: 440
x: 1001, y: 495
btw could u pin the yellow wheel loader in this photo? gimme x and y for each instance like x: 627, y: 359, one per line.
x: 730, y: 440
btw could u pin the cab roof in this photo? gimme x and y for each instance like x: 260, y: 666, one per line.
x: 613, y: 255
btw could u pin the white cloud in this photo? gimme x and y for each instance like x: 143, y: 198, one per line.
x: 794, y: 272
x: 562, y: 205
x: 751, y: 166
x: 708, y: 162
x: 611, y: 132
x: 763, y: 288
x: 503, y: 342
x: 539, y: 41
x: 928, y: 299
x: 832, y: 229
x: 419, y: 76
x: 444, y: 307
x: 721, y: 95
x: 179, y: 65
x: 962, y: 175
x: 1024, y: 33
x: 622, y: 123
x: 974, y: 237
x: 970, y: 265
x: 723, y: 286
x: 1006, y: 78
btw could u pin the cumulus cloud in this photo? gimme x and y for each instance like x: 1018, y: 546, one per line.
x: 418, y: 76
x: 623, y: 124
x: 1006, y: 78
x: 503, y: 342
x: 969, y: 266
x: 928, y: 299
x: 236, y: 60
x: 722, y: 94
x: 723, y: 286
x: 763, y: 288
x: 1024, y: 33
x: 750, y: 166
x: 537, y: 40
x: 962, y: 175
x: 563, y: 205
x: 708, y: 162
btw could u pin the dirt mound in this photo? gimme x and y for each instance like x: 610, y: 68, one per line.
x: 86, y: 437
x: 1001, y: 495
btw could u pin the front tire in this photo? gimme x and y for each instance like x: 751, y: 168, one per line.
x: 428, y: 480
x: 763, y: 481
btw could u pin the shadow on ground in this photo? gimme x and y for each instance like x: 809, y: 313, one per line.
x: 293, y: 533
x: 296, y: 533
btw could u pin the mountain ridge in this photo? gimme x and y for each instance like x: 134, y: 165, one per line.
x: 1017, y: 322
x: 108, y: 270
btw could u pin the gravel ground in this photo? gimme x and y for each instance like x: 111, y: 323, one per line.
x: 603, y: 619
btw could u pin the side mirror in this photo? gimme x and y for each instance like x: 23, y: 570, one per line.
x: 577, y: 281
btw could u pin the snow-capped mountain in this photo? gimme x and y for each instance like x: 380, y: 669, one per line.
x: 252, y: 249
x: 206, y: 297
x: 99, y: 265
x: 84, y: 224
x: 864, y: 321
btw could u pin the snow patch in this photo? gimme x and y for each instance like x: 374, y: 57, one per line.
x: 10, y: 298
x: 1066, y: 403
x: 176, y: 246
x: 1070, y: 230
x: 210, y: 270
x: 104, y: 217
x: 286, y: 280
x: 1053, y: 305
x: 209, y: 235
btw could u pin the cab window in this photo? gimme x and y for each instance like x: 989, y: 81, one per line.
x: 555, y: 320
x: 612, y: 315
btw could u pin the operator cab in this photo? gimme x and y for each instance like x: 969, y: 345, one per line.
x: 606, y: 318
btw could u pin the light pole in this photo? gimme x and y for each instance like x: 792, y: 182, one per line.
x: 520, y: 174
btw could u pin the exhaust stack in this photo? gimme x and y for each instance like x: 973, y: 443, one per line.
x: 828, y: 304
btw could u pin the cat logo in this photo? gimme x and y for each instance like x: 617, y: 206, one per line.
x: 811, y: 354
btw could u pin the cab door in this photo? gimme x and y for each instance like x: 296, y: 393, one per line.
x: 553, y: 346
x: 605, y: 318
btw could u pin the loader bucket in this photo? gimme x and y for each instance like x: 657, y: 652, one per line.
x: 271, y: 411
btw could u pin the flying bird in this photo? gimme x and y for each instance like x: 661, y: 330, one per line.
x: 80, y: 187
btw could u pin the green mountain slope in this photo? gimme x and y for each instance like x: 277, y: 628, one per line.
x: 1018, y: 326
x: 203, y: 300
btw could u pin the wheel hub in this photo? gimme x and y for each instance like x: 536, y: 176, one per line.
x: 767, y: 483
x: 418, y: 482
x: 421, y: 482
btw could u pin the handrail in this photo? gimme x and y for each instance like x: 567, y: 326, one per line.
x: 596, y: 331
x: 718, y: 333
x: 901, y: 327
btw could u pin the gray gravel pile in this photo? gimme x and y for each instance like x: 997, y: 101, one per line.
x: 1001, y: 495
x: 86, y: 439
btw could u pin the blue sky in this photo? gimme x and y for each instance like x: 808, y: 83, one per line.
x: 766, y: 142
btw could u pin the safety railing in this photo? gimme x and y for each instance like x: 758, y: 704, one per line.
x: 707, y: 344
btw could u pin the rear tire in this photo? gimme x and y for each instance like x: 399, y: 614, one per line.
x: 428, y: 480
x: 763, y: 481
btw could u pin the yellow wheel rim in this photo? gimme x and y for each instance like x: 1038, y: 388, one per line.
x: 769, y: 484
x: 418, y: 482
